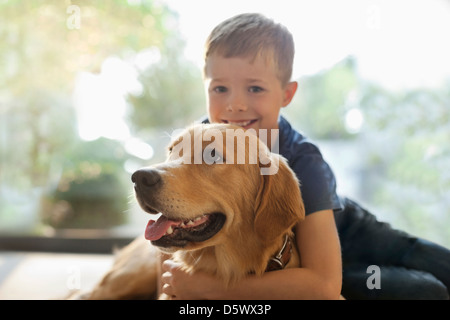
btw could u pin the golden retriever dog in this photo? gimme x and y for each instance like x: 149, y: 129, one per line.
x: 227, y: 205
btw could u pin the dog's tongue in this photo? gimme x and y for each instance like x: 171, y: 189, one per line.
x: 156, y: 229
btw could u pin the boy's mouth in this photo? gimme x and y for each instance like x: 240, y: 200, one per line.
x: 241, y: 123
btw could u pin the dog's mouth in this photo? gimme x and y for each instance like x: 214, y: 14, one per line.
x: 178, y: 233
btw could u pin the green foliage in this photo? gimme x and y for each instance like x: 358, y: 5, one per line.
x: 36, y: 39
x: 414, y: 129
x: 40, y: 57
x: 403, y: 143
x: 172, y: 95
x: 37, y: 129
x: 320, y: 104
x: 92, y: 192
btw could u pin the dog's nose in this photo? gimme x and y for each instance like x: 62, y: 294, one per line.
x: 146, y: 177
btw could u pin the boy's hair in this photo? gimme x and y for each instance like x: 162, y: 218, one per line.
x: 250, y: 35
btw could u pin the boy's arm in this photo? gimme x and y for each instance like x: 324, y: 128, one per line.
x: 319, y: 277
x: 318, y: 243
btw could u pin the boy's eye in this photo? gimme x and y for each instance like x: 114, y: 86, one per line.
x: 255, y: 89
x: 220, y: 89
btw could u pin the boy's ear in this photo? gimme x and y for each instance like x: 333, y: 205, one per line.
x: 289, y: 92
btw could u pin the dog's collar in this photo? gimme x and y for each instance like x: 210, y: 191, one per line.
x: 281, y: 259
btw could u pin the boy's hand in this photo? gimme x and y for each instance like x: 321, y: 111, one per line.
x: 181, y: 285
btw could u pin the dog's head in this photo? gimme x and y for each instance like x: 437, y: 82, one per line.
x: 219, y: 184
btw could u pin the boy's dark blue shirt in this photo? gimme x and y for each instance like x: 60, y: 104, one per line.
x: 317, y: 181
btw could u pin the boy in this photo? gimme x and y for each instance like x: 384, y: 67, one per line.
x: 248, y: 67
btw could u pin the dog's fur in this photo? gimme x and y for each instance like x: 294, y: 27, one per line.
x: 259, y: 210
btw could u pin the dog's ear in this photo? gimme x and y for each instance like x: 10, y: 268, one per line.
x: 279, y: 204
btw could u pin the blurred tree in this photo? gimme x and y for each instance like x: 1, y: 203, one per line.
x: 40, y: 55
x: 91, y: 192
x: 43, y: 45
x: 319, y: 106
x: 403, y: 143
x: 407, y: 137
x: 172, y: 97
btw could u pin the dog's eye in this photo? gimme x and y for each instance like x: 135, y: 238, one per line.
x: 211, y: 156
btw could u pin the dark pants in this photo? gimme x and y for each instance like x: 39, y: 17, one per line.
x: 406, y: 267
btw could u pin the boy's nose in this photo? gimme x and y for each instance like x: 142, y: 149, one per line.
x: 236, y: 104
x: 236, y: 108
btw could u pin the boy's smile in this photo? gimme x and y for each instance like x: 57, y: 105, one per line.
x: 245, y: 92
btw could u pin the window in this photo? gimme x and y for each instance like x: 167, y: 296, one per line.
x: 91, y: 92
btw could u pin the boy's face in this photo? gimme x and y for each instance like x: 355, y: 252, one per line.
x: 245, y: 92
